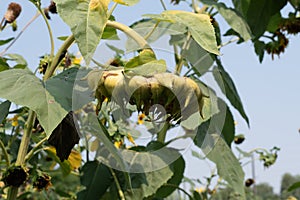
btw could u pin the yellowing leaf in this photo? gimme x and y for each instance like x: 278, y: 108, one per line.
x: 75, y: 159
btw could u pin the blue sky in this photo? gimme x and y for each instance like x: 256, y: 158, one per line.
x: 270, y: 91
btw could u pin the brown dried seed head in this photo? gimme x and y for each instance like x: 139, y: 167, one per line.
x: 12, y: 13
x: 52, y: 8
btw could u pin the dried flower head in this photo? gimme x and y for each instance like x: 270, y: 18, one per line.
x: 52, y: 7
x: 42, y: 182
x: 12, y: 13
x: 15, y: 176
x: 291, y: 25
x: 277, y: 46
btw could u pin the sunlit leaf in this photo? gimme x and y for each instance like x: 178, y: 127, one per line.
x: 87, y: 20
x: 200, y: 27
x: 233, y: 18
x: 148, y: 69
x: 145, y: 56
x: 23, y: 88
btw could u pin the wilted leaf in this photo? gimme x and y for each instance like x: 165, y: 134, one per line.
x: 87, y: 20
x: 65, y: 136
x: 200, y: 27
x: 23, y: 88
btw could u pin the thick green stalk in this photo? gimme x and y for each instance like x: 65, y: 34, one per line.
x: 13, y: 191
x: 161, y: 135
x: 50, y: 70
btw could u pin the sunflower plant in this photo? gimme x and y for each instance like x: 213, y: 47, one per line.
x: 79, y: 128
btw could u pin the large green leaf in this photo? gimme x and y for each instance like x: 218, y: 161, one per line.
x: 199, y: 25
x: 155, y: 161
x: 227, y: 164
x: 233, y: 18
x: 260, y: 12
x: 23, y: 88
x: 127, y: 2
x: 178, y: 170
x: 108, y: 154
x: 4, y: 110
x: 87, y: 20
x: 96, y: 178
x: 241, y: 6
x: 222, y: 122
x: 61, y: 87
x: 227, y: 86
x: 200, y: 59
